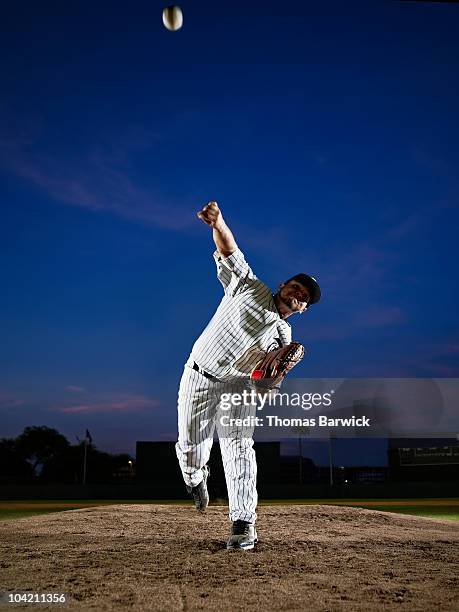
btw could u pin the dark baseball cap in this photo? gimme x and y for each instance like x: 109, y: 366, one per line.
x: 311, y: 285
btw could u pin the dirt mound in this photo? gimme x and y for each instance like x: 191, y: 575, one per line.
x: 142, y: 557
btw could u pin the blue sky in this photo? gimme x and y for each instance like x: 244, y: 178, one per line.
x: 328, y: 134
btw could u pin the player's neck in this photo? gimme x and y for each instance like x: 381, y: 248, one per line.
x: 282, y: 308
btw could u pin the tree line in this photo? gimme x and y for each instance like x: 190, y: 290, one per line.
x: 43, y: 455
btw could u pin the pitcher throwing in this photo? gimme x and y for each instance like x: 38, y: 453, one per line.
x: 249, y: 321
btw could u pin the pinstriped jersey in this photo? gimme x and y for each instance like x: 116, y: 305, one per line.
x: 245, y: 324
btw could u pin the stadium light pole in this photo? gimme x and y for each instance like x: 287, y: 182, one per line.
x: 87, y: 440
x: 301, y: 431
x: 84, y: 461
x: 330, y: 458
x: 300, y: 466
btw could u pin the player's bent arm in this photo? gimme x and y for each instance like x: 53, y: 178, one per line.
x: 224, y: 239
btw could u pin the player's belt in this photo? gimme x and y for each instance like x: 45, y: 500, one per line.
x: 201, y: 371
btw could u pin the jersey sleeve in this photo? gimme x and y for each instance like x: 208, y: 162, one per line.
x: 233, y: 272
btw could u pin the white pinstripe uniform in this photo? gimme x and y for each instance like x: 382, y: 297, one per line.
x: 245, y: 323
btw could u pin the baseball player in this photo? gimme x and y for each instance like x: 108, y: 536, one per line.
x: 249, y: 321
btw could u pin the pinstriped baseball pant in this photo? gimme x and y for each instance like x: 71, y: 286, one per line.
x: 199, y: 414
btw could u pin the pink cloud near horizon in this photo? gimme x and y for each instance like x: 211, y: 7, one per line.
x: 124, y: 404
x: 7, y: 401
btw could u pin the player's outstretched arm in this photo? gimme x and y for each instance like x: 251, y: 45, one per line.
x: 223, y: 237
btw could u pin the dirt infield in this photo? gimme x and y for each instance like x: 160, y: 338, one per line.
x: 139, y: 557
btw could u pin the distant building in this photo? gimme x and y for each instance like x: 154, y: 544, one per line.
x: 156, y: 463
x: 298, y: 470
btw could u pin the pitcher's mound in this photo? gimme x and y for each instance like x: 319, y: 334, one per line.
x: 158, y: 557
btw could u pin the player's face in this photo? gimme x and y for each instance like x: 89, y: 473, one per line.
x: 295, y: 296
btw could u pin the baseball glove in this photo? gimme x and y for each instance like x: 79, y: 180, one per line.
x: 272, y: 369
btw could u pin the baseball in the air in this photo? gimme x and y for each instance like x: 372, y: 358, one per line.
x: 173, y: 18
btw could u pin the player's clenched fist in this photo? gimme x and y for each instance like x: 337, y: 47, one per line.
x: 211, y: 214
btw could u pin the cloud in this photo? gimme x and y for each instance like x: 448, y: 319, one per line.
x: 368, y: 318
x: 416, y: 358
x: 422, y: 219
x: 353, y: 276
x: 99, y: 179
x: 96, y: 186
x: 7, y: 401
x: 75, y: 389
x: 356, y: 278
x: 433, y: 163
x: 378, y: 316
x: 409, y: 225
x: 432, y: 359
x: 440, y: 359
x: 120, y: 404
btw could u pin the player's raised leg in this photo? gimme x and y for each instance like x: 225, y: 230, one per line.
x: 196, y: 425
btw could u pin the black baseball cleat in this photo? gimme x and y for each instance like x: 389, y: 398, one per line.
x: 199, y: 492
x: 243, y: 536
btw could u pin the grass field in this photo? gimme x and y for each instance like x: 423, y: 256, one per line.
x: 446, y: 508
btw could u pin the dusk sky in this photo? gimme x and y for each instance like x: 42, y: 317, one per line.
x: 327, y: 131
